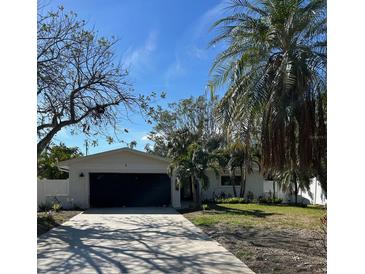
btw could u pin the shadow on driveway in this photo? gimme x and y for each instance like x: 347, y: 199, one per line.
x: 132, y: 240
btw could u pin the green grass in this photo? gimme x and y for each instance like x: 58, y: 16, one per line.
x: 245, y: 254
x: 270, y: 216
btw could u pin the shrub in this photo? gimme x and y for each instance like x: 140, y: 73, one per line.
x: 49, y: 216
x: 56, y: 207
x: 277, y: 200
x: 263, y: 200
x: 222, y: 195
x: 44, y: 207
x: 47, y: 207
x: 233, y: 200
x: 290, y: 203
x: 45, y: 221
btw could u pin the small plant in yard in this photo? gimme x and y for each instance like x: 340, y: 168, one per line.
x: 245, y: 254
x: 204, y: 206
x: 49, y: 216
x: 56, y: 207
x: 46, y: 218
x: 277, y: 200
x: 46, y: 206
x: 45, y: 221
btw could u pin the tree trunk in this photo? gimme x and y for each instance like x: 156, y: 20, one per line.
x: 233, y: 187
x: 195, y: 191
x: 273, y: 187
x: 198, y: 198
x: 44, y: 142
x: 232, y: 179
x: 295, y: 188
x: 243, y: 183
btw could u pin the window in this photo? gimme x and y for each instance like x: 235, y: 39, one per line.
x: 226, y: 180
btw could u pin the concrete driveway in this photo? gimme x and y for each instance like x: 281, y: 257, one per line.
x: 132, y: 240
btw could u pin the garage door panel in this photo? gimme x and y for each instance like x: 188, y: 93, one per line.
x: 129, y: 189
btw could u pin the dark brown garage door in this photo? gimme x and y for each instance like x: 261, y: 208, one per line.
x: 129, y: 189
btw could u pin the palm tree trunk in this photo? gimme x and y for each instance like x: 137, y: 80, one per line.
x: 194, y: 192
x: 234, y: 188
x: 198, y: 196
x: 295, y: 188
x: 273, y: 187
x: 232, y: 179
x: 243, y: 182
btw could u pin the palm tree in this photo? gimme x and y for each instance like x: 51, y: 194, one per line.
x: 226, y: 160
x: 275, y: 69
x: 293, y: 180
x: 243, y: 157
x: 190, y: 168
x: 234, y: 156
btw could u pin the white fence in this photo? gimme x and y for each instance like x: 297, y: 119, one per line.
x: 53, y: 190
x: 315, y: 195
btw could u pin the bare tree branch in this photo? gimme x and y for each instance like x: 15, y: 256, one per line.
x: 78, y: 83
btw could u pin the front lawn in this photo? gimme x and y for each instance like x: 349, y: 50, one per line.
x: 49, y: 220
x: 270, y: 216
x: 268, y: 238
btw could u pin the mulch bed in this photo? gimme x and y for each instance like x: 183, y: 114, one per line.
x: 283, y: 251
x: 45, y: 222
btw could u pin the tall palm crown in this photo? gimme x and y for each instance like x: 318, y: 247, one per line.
x: 275, y: 69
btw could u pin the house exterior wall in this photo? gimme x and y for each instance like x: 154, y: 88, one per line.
x: 120, y: 162
x: 175, y: 193
x: 130, y: 162
x: 254, y: 183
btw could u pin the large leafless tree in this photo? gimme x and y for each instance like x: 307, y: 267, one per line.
x: 80, y: 84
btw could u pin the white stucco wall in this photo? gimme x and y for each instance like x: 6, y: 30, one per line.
x: 118, y: 162
x: 175, y: 193
x: 315, y: 195
x: 269, y: 190
x: 48, y: 190
x: 126, y: 161
x: 254, y: 183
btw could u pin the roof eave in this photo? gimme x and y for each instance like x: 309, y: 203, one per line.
x: 75, y: 160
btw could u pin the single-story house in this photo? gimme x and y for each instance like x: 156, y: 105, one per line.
x: 127, y: 177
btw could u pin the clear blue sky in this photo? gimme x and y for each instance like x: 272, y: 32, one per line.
x: 163, y: 42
